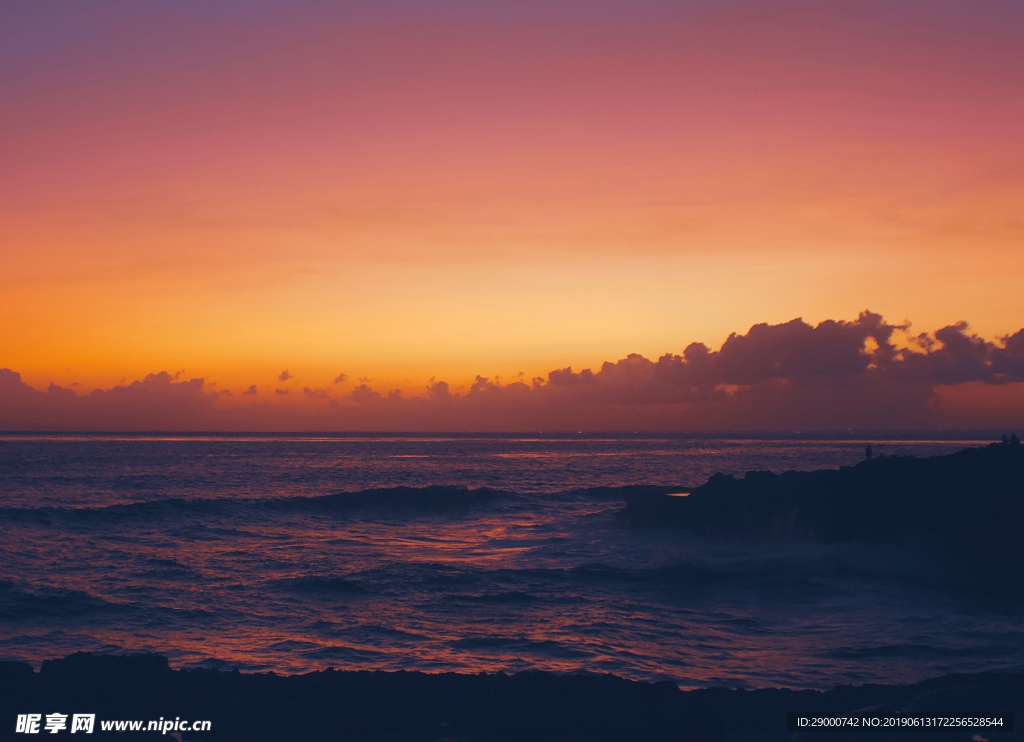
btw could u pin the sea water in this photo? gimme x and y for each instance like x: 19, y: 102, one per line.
x: 462, y: 553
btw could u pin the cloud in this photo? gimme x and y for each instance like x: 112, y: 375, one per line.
x: 155, y: 402
x: 340, y: 378
x: 250, y: 391
x: 285, y: 375
x: 864, y: 373
x: 1008, y: 360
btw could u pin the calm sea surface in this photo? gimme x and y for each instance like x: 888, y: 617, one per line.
x: 293, y: 553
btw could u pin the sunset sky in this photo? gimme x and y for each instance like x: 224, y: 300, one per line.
x: 400, y: 192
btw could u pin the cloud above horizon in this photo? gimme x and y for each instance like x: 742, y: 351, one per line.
x: 861, y: 374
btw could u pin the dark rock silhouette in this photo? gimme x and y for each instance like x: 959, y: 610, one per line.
x: 412, y: 706
x: 969, y: 504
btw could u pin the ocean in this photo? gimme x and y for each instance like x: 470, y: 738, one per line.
x: 464, y: 553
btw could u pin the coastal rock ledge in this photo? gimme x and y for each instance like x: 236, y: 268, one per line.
x: 332, y: 705
x: 969, y: 504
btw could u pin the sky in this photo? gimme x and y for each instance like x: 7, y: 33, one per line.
x: 383, y: 196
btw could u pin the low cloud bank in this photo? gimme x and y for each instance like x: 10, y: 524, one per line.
x: 861, y: 374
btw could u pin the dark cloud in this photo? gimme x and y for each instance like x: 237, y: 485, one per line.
x: 155, y: 402
x: 251, y: 390
x: 284, y: 375
x: 865, y: 373
x: 340, y: 378
x: 1008, y: 360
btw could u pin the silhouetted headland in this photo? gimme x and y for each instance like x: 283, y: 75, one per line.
x: 331, y: 705
x: 969, y: 503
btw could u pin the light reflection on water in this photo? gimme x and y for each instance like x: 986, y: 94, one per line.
x: 218, y: 551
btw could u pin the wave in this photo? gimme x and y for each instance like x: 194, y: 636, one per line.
x: 506, y: 645
x: 507, y: 597
x: 376, y: 631
x: 166, y: 569
x: 429, y: 499
x: 623, y: 492
x: 21, y: 605
x: 324, y: 585
x: 917, y: 651
x: 797, y: 567
x: 433, y: 500
x: 18, y: 605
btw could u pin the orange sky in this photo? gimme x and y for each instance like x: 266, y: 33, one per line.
x: 411, y: 194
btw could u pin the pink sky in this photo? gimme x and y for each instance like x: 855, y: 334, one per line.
x: 405, y: 191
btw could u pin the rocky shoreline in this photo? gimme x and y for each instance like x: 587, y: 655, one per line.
x: 969, y: 504
x: 339, y: 705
